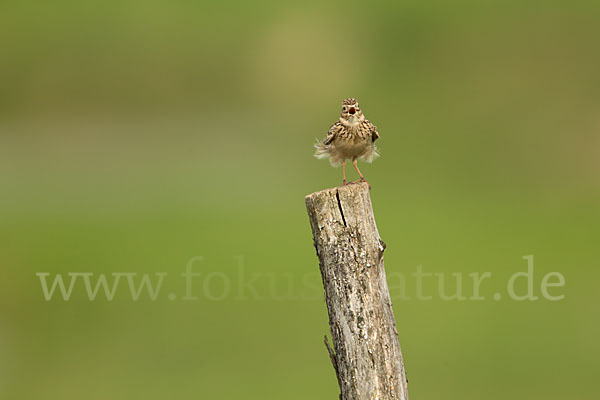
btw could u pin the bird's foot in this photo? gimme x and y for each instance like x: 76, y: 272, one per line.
x: 344, y: 182
x: 361, y: 180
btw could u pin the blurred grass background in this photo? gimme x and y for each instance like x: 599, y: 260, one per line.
x: 137, y: 135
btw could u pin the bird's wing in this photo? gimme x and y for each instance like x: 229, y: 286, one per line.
x: 333, y: 132
x: 373, y: 130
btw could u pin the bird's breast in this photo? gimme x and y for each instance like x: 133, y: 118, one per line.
x: 351, y: 146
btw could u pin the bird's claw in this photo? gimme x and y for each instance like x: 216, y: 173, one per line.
x: 361, y: 180
x: 344, y: 182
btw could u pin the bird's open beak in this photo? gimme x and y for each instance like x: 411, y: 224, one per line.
x: 352, y: 111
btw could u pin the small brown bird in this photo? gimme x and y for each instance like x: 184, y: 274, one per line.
x: 352, y: 136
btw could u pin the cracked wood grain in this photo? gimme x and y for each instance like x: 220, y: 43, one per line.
x: 366, y: 352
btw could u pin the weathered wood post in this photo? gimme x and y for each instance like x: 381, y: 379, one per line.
x: 367, y: 358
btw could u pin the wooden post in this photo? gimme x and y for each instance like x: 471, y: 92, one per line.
x: 367, y: 358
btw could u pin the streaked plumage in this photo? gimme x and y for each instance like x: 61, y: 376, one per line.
x: 350, y: 137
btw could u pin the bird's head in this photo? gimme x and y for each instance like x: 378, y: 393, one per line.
x: 351, y: 112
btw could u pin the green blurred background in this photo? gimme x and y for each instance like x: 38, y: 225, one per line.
x: 137, y: 135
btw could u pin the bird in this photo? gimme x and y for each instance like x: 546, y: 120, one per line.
x: 352, y: 136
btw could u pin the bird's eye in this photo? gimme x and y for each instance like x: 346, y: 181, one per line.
x: 345, y: 108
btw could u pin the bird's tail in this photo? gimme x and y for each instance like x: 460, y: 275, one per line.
x: 322, y: 150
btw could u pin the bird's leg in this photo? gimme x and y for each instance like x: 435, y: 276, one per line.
x: 345, y: 182
x: 362, y: 178
x: 354, y: 162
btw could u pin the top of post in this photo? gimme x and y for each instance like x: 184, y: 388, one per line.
x: 352, y: 187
